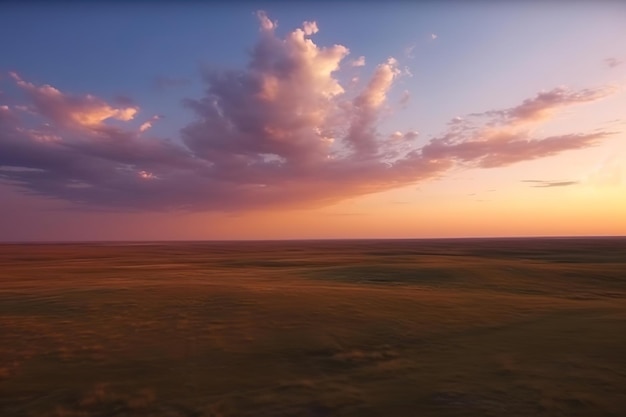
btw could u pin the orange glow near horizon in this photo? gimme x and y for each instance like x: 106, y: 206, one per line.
x: 303, y: 129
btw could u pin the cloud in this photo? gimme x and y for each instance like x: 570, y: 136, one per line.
x: 408, y: 51
x: 267, y: 25
x: 72, y: 111
x: 310, y: 28
x: 365, y: 108
x: 613, y: 62
x: 488, y: 148
x: 397, y: 135
x: 283, y: 131
x: 411, y: 134
x: 506, y: 136
x: 543, y: 105
x: 147, y: 175
x: 405, y: 98
x: 283, y: 105
x: 359, y: 62
x: 148, y: 124
x: 433, y: 36
x: 546, y: 184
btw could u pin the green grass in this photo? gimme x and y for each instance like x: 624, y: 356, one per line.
x: 353, y: 328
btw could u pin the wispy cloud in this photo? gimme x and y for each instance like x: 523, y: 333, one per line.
x: 545, y: 103
x: 502, y: 137
x: 405, y: 98
x: 613, y: 62
x: 359, y: 62
x: 148, y: 124
x: 408, y: 51
x: 284, y: 131
x: 487, y: 148
x: 545, y: 184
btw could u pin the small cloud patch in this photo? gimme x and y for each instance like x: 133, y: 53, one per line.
x: 546, y: 184
x: 613, y: 62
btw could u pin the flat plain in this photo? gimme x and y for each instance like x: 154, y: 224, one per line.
x: 467, y: 327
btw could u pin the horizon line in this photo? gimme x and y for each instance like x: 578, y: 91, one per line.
x: 332, y: 239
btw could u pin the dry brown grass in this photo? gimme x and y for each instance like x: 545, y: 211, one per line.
x: 428, y: 328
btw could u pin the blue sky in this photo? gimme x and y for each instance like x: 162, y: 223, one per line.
x: 485, y: 52
x: 453, y: 59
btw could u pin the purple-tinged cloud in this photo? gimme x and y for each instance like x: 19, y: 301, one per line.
x: 543, y: 105
x: 284, y: 131
x: 404, y: 100
x: 489, y: 149
x: 365, y: 109
x: 410, y: 135
x: 504, y: 136
x: 72, y: 111
x: 613, y: 62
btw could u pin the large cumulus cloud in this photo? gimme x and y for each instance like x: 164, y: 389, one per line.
x: 282, y: 132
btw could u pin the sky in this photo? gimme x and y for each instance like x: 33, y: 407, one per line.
x: 315, y: 120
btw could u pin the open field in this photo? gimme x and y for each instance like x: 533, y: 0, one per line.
x: 518, y: 327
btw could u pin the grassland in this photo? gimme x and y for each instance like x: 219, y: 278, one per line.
x: 532, y: 327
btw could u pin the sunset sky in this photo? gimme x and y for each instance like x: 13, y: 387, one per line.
x: 313, y: 120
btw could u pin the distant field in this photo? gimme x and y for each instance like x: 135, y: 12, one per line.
x: 491, y: 327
